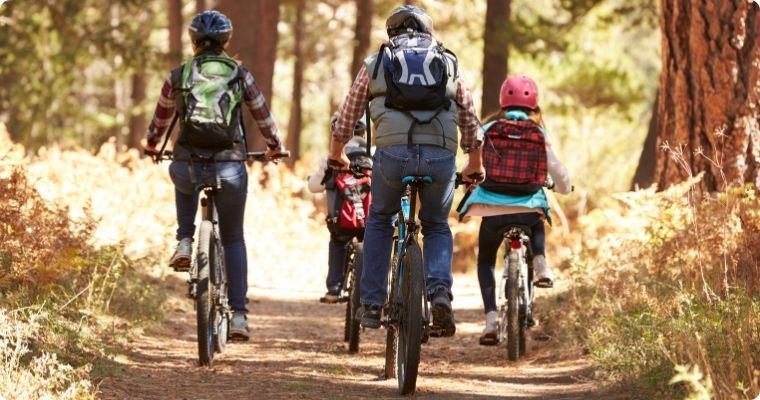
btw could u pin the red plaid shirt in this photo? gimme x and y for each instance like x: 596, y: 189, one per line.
x: 252, y: 97
x: 354, y: 106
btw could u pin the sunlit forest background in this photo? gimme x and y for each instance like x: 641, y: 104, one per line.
x: 669, y: 274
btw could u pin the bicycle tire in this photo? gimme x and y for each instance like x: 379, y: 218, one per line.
x: 219, y: 286
x: 204, y: 297
x: 513, y: 308
x: 391, y: 336
x: 354, y: 301
x: 348, y: 268
x: 410, y: 320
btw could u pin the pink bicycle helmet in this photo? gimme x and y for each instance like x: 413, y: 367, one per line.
x: 518, y: 91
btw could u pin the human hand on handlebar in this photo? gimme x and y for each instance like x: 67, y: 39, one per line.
x: 150, y: 150
x: 275, y: 154
x: 339, y: 161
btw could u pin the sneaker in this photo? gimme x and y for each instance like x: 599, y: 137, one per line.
x: 239, y: 327
x: 490, y: 336
x: 544, y: 277
x: 443, y: 317
x: 369, y: 316
x: 332, y: 296
x: 180, y: 260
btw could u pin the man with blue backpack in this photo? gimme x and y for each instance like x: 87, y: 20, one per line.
x: 416, y: 100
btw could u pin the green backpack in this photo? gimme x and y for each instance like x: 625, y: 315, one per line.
x: 212, y: 90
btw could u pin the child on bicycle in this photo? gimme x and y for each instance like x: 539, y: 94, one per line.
x: 323, y: 179
x: 204, y: 154
x: 517, y: 156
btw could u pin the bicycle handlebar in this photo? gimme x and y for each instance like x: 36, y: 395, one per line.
x: 251, y: 155
x: 473, y: 178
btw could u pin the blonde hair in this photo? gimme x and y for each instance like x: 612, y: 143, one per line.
x: 534, y: 115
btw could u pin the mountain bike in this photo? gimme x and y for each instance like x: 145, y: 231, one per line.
x: 516, y: 288
x: 406, y: 309
x: 515, y: 299
x: 352, y: 273
x: 207, y: 284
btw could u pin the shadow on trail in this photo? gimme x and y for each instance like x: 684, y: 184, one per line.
x: 296, y: 351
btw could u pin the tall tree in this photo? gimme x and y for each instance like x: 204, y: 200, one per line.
x: 254, y: 42
x: 710, y: 92
x: 495, y: 53
x: 175, y: 32
x: 200, y: 6
x: 644, y: 175
x: 137, y: 124
x: 294, y: 127
x: 361, y: 34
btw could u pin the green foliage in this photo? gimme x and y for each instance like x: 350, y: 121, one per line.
x: 64, y: 62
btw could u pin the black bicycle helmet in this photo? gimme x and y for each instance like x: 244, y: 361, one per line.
x: 210, y: 26
x: 359, y: 130
x: 406, y: 18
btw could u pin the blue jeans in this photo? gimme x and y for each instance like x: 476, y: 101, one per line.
x: 391, y: 164
x: 230, y: 206
x: 488, y: 244
x: 336, y: 259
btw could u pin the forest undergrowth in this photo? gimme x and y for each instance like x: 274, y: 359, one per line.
x: 664, y: 289
x: 665, y: 292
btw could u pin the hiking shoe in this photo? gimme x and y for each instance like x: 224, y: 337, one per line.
x: 239, y: 327
x: 332, y: 296
x: 490, y: 336
x: 180, y: 260
x: 443, y: 317
x: 544, y: 277
x: 369, y: 316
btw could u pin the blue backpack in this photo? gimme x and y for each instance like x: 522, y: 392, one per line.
x: 416, y: 73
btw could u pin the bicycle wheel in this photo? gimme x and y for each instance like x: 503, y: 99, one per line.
x: 391, y: 336
x: 204, y: 297
x: 354, y: 301
x: 410, y: 319
x: 513, y: 308
x: 348, y: 270
x: 219, y: 291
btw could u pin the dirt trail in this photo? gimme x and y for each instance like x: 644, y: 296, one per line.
x: 296, y: 351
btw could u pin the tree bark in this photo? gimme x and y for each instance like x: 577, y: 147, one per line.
x: 361, y: 34
x: 644, y: 175
x: 175, y: 32
x: 137, y: 124
x: 200, y: 6
x: 495, y: 53
x: 294, y: 126
x: 709, y: 108
x: 254, y: 42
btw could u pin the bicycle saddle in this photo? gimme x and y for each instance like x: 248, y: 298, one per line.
x: 417, y: 179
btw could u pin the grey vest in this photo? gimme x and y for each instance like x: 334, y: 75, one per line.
x: 392, y: 126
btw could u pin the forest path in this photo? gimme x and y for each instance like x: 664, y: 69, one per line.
x: 296, y: 351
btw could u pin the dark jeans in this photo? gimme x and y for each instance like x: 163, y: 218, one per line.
x: 230, y: 206
x: 488, y: 244
x: 390, y: 165
x: 338, y: 248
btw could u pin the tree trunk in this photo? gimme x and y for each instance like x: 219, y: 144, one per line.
x: 495, y: 53
x: 294, y: 127
x: 175, y: 32
x: 361, y: 34
x: 709, y: 110
x: 644, y: 175
x: 200, y: 6
x: 254, y: 42
x: 137, y: 124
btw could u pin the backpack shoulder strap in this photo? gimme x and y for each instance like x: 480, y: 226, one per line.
x: 379, y: 59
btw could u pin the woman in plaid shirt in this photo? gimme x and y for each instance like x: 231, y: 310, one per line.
x: 210, y: 32
x: 519, y: 101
